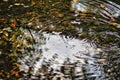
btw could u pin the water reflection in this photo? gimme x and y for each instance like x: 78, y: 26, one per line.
x: 61, y: 56
x: 105, y: 8
x: 92, y: 55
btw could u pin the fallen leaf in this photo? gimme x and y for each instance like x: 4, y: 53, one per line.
x: 13, y: 25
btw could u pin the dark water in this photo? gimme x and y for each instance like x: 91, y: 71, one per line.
x: 87, y: 47
x: 92, y: 54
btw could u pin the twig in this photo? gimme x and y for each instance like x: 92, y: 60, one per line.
x: 31, y: 34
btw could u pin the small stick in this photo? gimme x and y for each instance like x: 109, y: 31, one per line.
x: 31, y: 35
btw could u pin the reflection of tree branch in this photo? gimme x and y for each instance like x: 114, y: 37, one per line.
x: 108, y: 22
x: 31, y: 34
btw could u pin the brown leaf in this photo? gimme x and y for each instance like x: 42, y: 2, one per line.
x: 102, y: 5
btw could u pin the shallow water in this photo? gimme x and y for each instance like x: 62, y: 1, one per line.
x: 107, y: 9
x: 68, y: 45
x: 67, y: 58
x: 87, y: 53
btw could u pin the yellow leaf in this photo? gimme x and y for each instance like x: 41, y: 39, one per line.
x: 32, y: 3
x: 1, y: 73
x: 25, y: 43
x: 75, y: 1
x: 17, y: 4
x: 83, y: 15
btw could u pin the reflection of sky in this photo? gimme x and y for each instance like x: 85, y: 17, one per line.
x: 58, y: 48
x: 66, y: 48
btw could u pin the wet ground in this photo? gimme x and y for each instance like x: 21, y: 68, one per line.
x: 51, y: 40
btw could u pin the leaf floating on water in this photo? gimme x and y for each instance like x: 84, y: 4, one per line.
x: 116, y: 24
x: 32, y: 3
x: 7, y: 29
x: 83, y: 15
x: 75, y: 1
x: 13, y: 38
x: 17, y: 4
x: 60, y: 15
x: 102, y: 5
x: 25, y: 43
x: 13, y: 25
x: 5, y: 33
